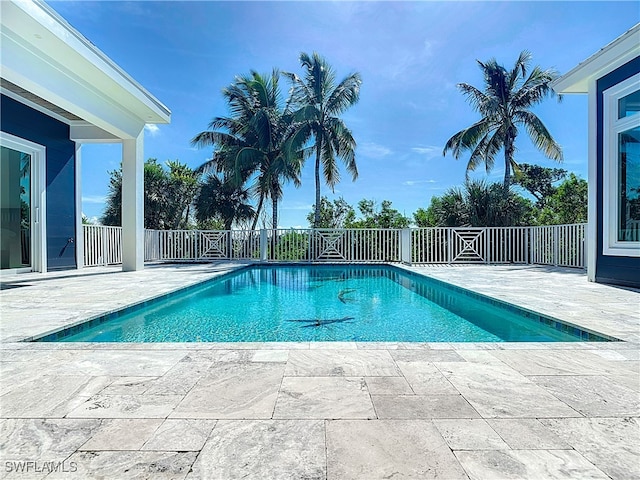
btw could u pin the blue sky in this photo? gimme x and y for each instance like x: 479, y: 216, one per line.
x: 410, y: 55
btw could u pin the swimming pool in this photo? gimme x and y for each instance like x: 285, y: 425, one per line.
x: 269, y: 303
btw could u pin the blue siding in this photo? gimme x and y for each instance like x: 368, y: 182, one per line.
x: 25, y: 122
x: 612, y: 269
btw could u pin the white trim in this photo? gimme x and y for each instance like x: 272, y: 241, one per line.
x: 90, y: 50
x: 38, y: 197
x: 79, y: 230
x: 623, y: 49
x: 612, y: 127
x: 592, y: 183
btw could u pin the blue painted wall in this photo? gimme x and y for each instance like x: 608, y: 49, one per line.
x: 25, y: 122
x: 612, y: 269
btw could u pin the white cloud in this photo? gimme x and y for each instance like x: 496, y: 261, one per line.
x: 94, y: 199
x: 373, y: 150
x: 430, y: 151
x: 152, y: 128
x: 95, y: 220
x: 411, y: 183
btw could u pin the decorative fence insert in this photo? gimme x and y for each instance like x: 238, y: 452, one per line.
x: 562, y: 245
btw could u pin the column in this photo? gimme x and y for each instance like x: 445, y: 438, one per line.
x: 133, y: 203
x: 79, y: 242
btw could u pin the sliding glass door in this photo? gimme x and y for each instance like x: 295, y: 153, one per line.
x: 22, y: 202
x: 15, y: 205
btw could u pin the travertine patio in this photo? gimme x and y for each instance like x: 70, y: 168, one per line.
x: 314, y: 411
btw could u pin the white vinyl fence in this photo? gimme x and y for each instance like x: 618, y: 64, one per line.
x: 102, y: 245
x: 562, y: 245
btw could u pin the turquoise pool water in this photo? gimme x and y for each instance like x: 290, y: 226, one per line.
x: 323, y: 303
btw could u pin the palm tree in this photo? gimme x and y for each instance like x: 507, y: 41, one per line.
x: 222, y: 199
x: 319, y: 102
x: 504, y: 106
x: 255, y: 141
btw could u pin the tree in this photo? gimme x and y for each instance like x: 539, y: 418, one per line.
x: 504, y: 106
x: 538, y: 181
x: 373, y: 217
x: 449, y: 210
x: 332, y: 214
x: 182, y: 186
x: 477, y: 204
x: 319, y: 102
x: 167, y: 195
x: 221, y: 200
x: 568, y: 204
x: 256, y: 141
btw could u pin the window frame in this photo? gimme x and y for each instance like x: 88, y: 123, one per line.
x: 612, y: 127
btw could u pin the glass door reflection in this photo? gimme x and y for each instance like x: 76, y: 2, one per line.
x: 15, y: 209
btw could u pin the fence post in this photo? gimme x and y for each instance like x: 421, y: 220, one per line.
x: 105, y: 247
x: 556, y: 246
x: 405, y: 246
x: 487, y: 238
x: 449, y: 246
x: 263, y: 245
x: 585, y: 246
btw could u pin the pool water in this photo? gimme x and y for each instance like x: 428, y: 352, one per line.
x: 324, y: 303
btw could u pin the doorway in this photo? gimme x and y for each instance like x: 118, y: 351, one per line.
x: 22, y: 238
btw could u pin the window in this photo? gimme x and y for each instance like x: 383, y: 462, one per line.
x: 621, y: 169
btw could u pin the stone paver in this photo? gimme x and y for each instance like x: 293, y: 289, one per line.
x: 499, y: 391
x: 122, y: 434
x: 265, y: 449
x: 613, y: 444
x: 527, y: 434
x: 324, y: 397
x: 233, y: 390
x: 359, y: 449
x: 423, y: 406
x: 126, y: 465
x: 592, y: 396
x: 344, y: 363
x: 474, y: 434
x: 519, y: 464
x: 318, y: 410
x: 181, y: 435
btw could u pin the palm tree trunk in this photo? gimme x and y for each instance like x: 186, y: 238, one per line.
x: 274, y: 201
x: 316, y: 220
x: 508, y: 158
x: 258, y: 210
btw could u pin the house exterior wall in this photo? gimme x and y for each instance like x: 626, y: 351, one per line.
x: 25, y: 122
x: 617, y: 270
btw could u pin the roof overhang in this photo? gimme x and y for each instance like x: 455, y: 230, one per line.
x: 46, y: 56
x: 617, y: 53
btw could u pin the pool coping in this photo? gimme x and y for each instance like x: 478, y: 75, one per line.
x: 56, y: 334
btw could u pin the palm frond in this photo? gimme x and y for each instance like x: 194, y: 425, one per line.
x: 467, y: 139
x: 344, y: 95
x: 539, y: 135
x: 519, y: 69
x: 477, y: 99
